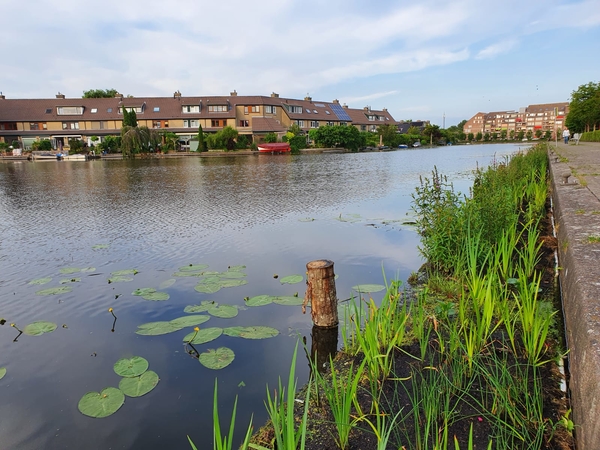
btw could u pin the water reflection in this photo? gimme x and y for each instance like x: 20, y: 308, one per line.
x: 156, y: 216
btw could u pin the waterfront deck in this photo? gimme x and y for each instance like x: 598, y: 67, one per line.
x: 575, y: 172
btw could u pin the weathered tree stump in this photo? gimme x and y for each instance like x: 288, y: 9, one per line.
x: 324, y: 345
x: 320, y: 292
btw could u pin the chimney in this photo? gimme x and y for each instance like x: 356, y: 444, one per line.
x: 274, y: 95
x: 177, y: 94
x: 308, y: 99
x: 2, y: 97
x: 336, y: 102
x: 233, y: 94
x: 384, y: 109
x: 59, y: 95
x: 345, y: 106
x: 366, y: 108
x: 117, y: 95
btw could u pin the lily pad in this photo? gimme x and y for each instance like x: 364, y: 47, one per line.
x: 189, y: 321
x: 204, y: 306
x: 258, y: 332
x: 100, y: 246
x: 138, y: 386
x: 39, y: 281
x: 2, y: 372
x: 157, y: 296
x: 232, y: 282
x: 40, y: 327
x: 233, y: 274
x: 101, y: 404
x: 55, y: 290
x: 143, y: 291
x: 207, y: 288
x: 217, y: 359
x: 157, y: 328
x: 88, y: 269
x: 260, y: 300
x: 235, y: 268
x: 368, y: 288
x: 203, y: 336
x: 67, y: 270
x: 167, y: 283
x: 306, y: 219
x: 193, y: 268
x: 223, y: 311
x: 288, y: 300
x: 187, y: 274
x: 69, y: 280
x: 131, y: 367
x: 119, y: 273
x: 291, y: 279
x: 119, y: 279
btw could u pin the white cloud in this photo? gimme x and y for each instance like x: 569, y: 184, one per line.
x: 494, y: 50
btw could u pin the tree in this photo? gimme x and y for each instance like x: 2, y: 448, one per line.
x: 414, y: 131
x: 547, y: 135
x: 271, y: 137
x: 242, y: 142
x: 129, y: 118
x: 229, y: 135
x: 470, y: 137
x: 584, y: 109
x: 461, y: 124
x: 503, y: 134
x: 433, y: 131
x: 100, y: 93
x: 201, y: 142
x: 479, y: 136
x: 520, y: 135
x: 529, y: 135
x: 388, y: 133
x: 538, y: 133
x: 511, y: 134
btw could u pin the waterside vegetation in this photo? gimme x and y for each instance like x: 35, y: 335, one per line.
x: 469, y: 358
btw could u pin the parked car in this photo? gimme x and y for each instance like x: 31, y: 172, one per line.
x: 417, y: 144
x: 403, y: 146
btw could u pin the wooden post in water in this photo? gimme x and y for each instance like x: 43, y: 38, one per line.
x: 320, y: 292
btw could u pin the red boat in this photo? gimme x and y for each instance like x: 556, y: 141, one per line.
x: 278, y: 147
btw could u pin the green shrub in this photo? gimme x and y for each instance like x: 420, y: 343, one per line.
x: 591, y: 136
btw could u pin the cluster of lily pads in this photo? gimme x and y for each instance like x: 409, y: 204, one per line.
x: 136, y: 381
x: 355, y: 218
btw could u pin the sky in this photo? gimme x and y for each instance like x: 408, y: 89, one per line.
x: 435, y: 60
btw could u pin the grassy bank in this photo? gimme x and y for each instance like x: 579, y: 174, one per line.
x: 469, y: 359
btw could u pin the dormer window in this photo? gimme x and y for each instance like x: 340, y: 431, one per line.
x: 69, y: 110
x: 218, y: 108
x: 190, y: 109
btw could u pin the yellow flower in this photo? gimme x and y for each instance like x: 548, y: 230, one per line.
x: 110, y: 310
x: 12, y: 324
x: 196, y: 329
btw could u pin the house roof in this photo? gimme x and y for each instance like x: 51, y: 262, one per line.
x: 266, y: 124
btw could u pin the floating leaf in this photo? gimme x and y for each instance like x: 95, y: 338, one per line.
x: 39, y: 281
x: 40, y: 327
x: 167, y: 283
x: 368, y: 288
x: 207, y: 288
x: 189, y: 321
x: 69, y: 280
x: 119, y: 279
x: 306, y: 219
x: 88, y: 269
x: 260, y: 300
x: 233, y: 274
x: 193, y: 268
x: 2, y: 372
x: 203, y: 336
x: 119, y: 273
x: 101, y: 404
x: 232, y: 282
x: 236, y: 268
x: 204, y: 306
x: 131, y: 367
x: 100, y: 246
x: 291, y: 279
x: 138, y: 386
x: 67, y: 270
x: 223, y: 311
x: 187, y: 274
x: 55, y: 290
x: 288, y: 300
x: 143, y: 291
x: 258, y: 332
x: 211, y: 279
x: 156, y: 296
x: 210, y: 273
x: 157, y: 328
x: 217, y: 359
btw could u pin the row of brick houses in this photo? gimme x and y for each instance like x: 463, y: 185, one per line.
x: 60, y: 119
x: 544, y: 117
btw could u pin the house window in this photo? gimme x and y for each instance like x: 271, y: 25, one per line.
x: 8, y: 126
x: 295, y: 109
x: 244, y: 123
x: 156, y: 109
x: 363, y: 128
x: 156, y: 124
x: 69, y: 110
x: 192, y: 123
x: 300, y: 123
x: 94, y: 110
x: 48, y: 110
x: 70, y: 125
x: 246, y: 110
x: 314, y: 124
x: 270, y: 109
x: 307, y: 111
x: 327, y: 112
x: 381, y: 118
x: 330, y: 124
x: 190, y: 109
x: 34, y: 126
x: 137, y: 109
x: 98, y: 125
x: 109, y: 110
x: 218, y: 108
x: 255, y: 109
x: 216, y: 123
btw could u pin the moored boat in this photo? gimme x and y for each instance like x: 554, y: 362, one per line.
x: 275, y: 147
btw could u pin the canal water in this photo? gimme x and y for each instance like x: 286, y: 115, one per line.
x: 269, y: 213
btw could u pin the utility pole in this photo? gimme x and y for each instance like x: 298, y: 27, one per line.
x: 444, y: 121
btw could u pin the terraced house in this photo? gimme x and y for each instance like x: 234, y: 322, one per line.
x: 61, y: 119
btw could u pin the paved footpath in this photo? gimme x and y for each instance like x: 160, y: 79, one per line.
x: 575, y: 173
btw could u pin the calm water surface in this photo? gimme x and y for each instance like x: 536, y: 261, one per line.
x: 159, y: 215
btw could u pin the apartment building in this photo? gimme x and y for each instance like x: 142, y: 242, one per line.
x: 60, y: 119
x: 543, y: 117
